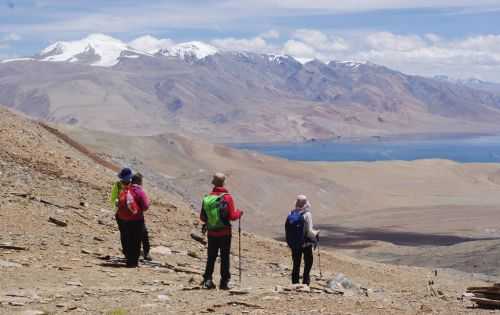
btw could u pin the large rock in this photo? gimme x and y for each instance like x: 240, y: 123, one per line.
x: 340, y: 282
x: 33, y: 312
x: 8, y: 264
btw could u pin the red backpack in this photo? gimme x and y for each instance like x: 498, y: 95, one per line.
x: 126, y: 201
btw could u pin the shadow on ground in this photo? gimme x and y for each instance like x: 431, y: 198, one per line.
x: 351, y: 238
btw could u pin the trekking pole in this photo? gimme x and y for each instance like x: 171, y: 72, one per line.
x: 319, y: 262
x: 239, y: 247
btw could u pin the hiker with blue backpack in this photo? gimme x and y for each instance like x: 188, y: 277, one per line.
x: 301, y: 238
x: 217, y: 212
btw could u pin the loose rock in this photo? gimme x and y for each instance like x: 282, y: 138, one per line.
x: 58, y: 222
x: 161, y: 250
x: 8, y: 264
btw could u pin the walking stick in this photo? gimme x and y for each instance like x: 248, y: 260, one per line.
x: 239, y: 247
x: 319, y: 262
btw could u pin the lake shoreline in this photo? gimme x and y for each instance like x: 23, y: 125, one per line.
x: 458, y: 147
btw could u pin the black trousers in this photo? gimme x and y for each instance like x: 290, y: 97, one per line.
x: 121, y: 228
x: 146, y: 247
x: 145, y: 239
x: 297, y: 254
x: 133, y: 235
x: 216, y: 244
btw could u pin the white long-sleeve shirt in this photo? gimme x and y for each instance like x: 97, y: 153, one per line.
x: 309, y: 232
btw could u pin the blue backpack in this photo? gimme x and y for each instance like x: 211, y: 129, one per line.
x: 294, y: 229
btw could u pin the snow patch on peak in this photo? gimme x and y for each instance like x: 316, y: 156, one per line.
x: 351, y: 63
x: 16, y: 59
x: 106, y: 48
x: 304, y: 60
x: 150, y: 44
x: 198, y: 50
x: 279, y: 58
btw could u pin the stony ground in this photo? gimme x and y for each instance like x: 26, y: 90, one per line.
x: 72, y: 265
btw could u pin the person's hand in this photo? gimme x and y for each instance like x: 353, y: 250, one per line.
x: 204, y: 229
x: 317, y: 237
x: 241, y: 213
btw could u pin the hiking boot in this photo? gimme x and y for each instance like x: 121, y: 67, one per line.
x: 208, y: 284
x: 225, y: 285
x: 148, y: 257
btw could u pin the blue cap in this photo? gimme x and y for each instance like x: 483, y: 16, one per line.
x: 125, y: 174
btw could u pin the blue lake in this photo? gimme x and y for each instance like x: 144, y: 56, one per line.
x: 457, y: 148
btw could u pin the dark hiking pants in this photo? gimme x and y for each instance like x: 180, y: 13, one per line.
x: 297, y: 254
x: 145, y: 240
x: 222, y: 243
x: 122, y: 233
x: 133, y: 238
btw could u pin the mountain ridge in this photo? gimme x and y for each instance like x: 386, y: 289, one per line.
x: 234, y: 96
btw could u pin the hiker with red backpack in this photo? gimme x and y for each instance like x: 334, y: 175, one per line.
x: 217, y: 212
x: 132, y: 202
x: 146, y: 247
x: 126, y: 177
x: 301, y: 237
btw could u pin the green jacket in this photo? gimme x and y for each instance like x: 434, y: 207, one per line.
x: 115, y: 194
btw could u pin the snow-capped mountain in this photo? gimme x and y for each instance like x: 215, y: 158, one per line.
x: 235, y: 94
x: 194, y: 49
x: 96, y: 50
x: 106, y: 51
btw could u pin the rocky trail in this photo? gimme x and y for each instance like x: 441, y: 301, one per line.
x: 59, y: 252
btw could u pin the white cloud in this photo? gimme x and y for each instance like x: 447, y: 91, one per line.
x: 151, y: 44
x: 6, y: 40
x: 365, y: 5
x: 271, y: 34
x: 485, y: 43
x: 389, y: 41
x: 255, y: 44
x: 10, y: 37
x: 320, y: 41
x: 434, y: 38
x: 299, y: 50
x: 429, y: 54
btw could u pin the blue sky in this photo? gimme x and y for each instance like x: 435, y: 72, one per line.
x: 460, y: 38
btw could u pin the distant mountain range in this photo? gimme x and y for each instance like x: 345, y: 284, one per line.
x: 150, y: 86
x: 474, y: 83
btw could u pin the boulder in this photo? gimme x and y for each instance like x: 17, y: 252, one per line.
x: 340, y: 282
x: 8, y: 264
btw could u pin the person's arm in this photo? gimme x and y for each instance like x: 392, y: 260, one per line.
x: 115, y: 191
x: 311, y: 233
x: 233, y: 213
x: 203, y: 215
x: 145, y: 200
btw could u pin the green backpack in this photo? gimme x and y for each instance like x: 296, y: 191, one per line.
x: 216, y: 211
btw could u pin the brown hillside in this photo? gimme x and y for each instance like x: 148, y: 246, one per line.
x: 46, y: 268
